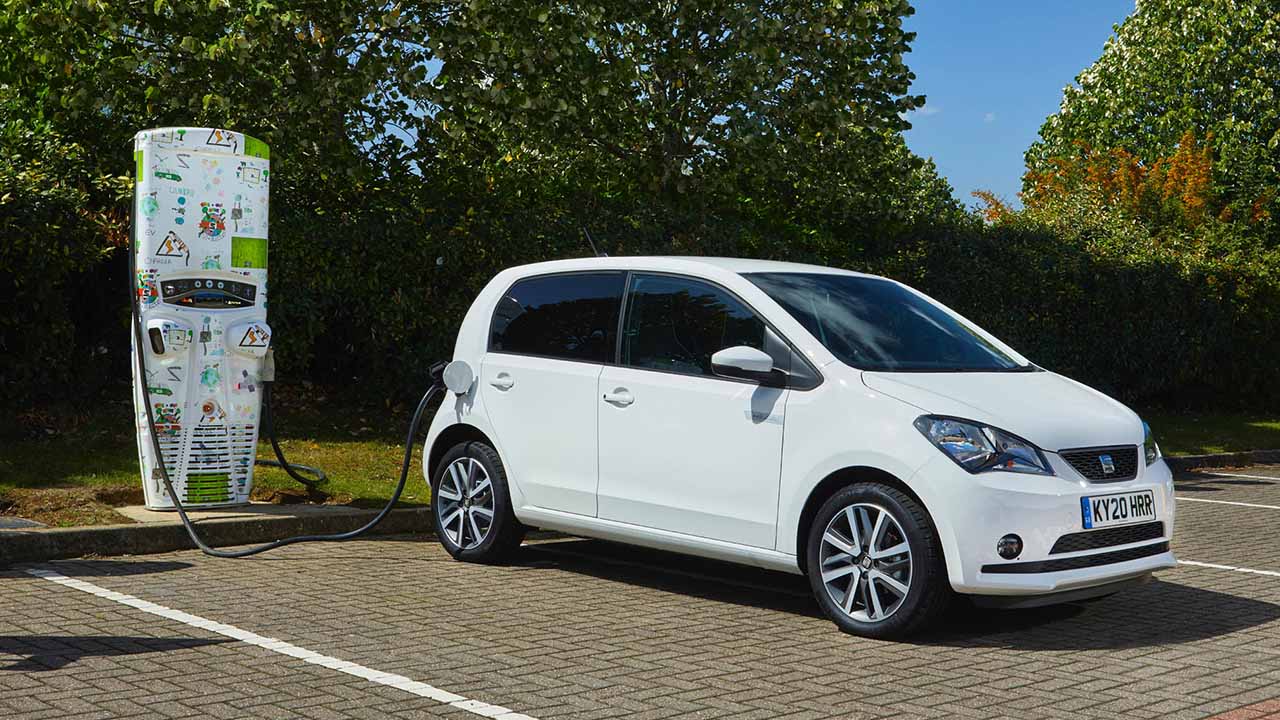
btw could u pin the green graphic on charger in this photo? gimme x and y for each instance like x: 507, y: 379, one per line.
x: 248, y: 252
x: 256, y: 148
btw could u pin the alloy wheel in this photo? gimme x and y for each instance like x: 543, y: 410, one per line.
x: 865, y: 562
x: 465, y: 508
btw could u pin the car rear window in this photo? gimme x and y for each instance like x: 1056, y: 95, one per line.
x: 571, y: 316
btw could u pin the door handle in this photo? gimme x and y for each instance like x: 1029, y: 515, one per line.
x: 503, y: 381
x: 620, y: 397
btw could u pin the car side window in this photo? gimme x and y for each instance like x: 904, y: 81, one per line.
x: 572, y: 316
x: 675, y: 324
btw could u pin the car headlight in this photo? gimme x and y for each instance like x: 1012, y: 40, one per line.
x: 982, y: 448
x: 1149, y: 446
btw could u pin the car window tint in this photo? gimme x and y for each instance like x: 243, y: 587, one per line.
x: 875, y: 324
x: 675, y: 324
x: 571, y: 317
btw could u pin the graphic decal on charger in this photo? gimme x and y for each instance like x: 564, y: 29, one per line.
x: 149, y: 205
x: 210, y: 411
x: 255, y: 336
x: 173, y: 247
x: 147, y: 289
x: 177, y: 337
x: 248, y: 252
x: 168, y: 417
x: 210, y: 377
x: 213, y: 222
x: 201, y: 214
x: 248, y: 174
x: 248, y: 382
x: 223, y: 139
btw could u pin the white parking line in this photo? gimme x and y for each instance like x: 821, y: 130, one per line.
x: 399, y: 682
x: 1239, y: 475
x: 1233, y: 568
x: 1182, y: 498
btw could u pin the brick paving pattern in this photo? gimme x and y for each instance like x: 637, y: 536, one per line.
x: 582, y: 629
x: 1260, y: 489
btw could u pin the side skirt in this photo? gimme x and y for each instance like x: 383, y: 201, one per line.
x: 613, y: 530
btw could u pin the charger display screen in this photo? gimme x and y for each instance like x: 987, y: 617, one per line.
x: 208, y: 294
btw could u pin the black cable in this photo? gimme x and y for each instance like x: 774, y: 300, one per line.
x: 140, y: 350
x: 269, y: 429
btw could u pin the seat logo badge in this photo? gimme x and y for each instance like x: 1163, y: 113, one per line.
x: 1108, y: 466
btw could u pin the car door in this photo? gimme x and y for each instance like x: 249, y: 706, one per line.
x: 680, y: 448
x: 549, y: 338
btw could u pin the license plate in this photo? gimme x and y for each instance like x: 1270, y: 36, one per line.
x: 1099, y: 511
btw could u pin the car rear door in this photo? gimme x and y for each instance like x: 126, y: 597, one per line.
x: 680, y: 448
x: 549, y: 339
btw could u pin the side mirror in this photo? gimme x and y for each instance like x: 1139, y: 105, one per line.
x: 746, y: 363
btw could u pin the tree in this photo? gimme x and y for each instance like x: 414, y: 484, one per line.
x: 663, y: 93
x: 321, y: 83
x: 1208, y: 67
x: 485, y: 133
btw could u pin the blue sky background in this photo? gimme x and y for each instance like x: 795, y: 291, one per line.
x: 993, y: 71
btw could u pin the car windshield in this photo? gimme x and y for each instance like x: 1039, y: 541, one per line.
x: 875, y: 324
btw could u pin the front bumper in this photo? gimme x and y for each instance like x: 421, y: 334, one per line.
x: 974, y: 511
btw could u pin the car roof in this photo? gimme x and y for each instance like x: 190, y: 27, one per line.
x: 688, y: 263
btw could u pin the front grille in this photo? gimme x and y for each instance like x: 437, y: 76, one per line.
x: 1094, y: 539
x: 1082, y: 561
x: 1089, y: 462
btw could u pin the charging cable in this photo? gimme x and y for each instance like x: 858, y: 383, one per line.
x: 269, y: 428
x: 437, y: 385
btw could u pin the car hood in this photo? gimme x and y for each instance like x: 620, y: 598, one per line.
x: 1045, y: 408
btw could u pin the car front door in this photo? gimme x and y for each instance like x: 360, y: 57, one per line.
x: 549, y: 338
x: 681, y: 449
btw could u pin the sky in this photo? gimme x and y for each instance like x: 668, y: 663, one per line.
x: 992, y: 71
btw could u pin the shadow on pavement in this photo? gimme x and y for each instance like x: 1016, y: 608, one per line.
x: 671, y: 572
x: 1198, y: 482
x: 104, y: 568
x: 51, y: 652
x: 1158, y: 613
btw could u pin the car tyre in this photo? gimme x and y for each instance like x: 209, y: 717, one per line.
x: 471, y: 505
x: 857, y: 576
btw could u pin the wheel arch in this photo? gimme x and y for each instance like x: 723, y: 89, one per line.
x: 450, y: 436
x: 831, y: 484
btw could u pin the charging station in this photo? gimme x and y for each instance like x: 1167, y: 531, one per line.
x: 202, y: 368
x: 200, y: 257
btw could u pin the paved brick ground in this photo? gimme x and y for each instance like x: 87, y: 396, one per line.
x: 1263, y: 485
x: 580, y: 629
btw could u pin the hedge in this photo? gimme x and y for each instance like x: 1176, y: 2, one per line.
x: 369, y: 284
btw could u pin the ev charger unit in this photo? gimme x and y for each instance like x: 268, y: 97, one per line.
x: 202, y: 367
x: 200, y: 257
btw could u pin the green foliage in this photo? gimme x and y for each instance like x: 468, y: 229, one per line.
x: 1186, y: 320
x: 54, y: 230
x: 1205, y: 66
x: 313, y: 81
x: 662, y: 93
x: 420, y: 147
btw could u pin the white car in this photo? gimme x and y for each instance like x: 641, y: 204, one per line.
x: 793, y: 417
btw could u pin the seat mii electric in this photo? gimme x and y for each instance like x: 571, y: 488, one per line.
x: 799, y: 418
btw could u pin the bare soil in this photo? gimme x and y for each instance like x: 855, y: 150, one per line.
x: 80, y: 506
x: 70, y: 506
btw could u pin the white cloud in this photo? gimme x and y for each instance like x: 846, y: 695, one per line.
x: 989, y: 118
x: 927, y: 110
